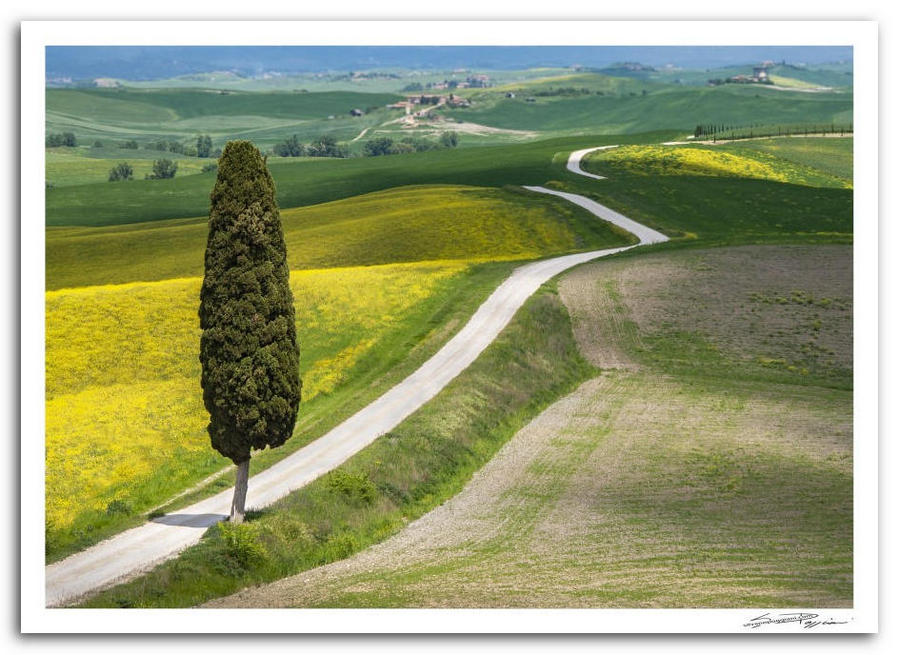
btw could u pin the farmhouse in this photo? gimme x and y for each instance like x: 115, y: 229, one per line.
x: 760, y: 74
x: 356, y: 112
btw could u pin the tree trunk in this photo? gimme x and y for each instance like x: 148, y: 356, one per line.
x: 240, y: 492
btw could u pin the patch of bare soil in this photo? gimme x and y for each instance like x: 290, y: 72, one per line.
x: 778, y: 305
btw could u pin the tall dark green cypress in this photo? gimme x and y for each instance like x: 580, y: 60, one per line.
x: 248, y: 348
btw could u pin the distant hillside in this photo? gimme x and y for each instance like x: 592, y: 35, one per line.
x: 155, y: 62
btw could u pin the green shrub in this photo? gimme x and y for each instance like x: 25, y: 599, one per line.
x: 118, y: 507
x: 120, y: 172
x: 241, y: 543
x: 163, y: 169
x: 356, y: 488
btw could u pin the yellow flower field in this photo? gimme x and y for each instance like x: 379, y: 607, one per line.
x: 714, y: 161
x: 125, y: 417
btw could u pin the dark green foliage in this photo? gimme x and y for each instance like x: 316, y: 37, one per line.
x: 381, y: 146
x: 210, y: 168
x: 290, y: 148
x: 355, y: 487
x: 98, y: 144
x: 326, y: 146
x: 66, y: 139
x: 204, y: 145
x: 248, y: 348
x: 118, y: 507
x: 131, y: 144
x: 449, y: 139
x: 240, y: 545
x: 122, y: 171
x: 163, y: 169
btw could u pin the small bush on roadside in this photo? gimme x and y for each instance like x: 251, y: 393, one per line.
x: 357, y: 488
x: 241, y: 543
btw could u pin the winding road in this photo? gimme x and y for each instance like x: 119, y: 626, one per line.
x: 139, y: 549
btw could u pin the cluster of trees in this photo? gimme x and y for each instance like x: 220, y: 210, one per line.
x: 564, y: 91
x: 166, y: 146
x: 324, y: 146
x: 162, y: 169
x: 65, y: 139
x: 131, y: 144
x: 387, y: 146
x: 738, y: 79
x: 202, y: 147
x: 121, y: 172
x: 429, y: 100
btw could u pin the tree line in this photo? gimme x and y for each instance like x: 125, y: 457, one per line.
x: 717, y: 132
x: 328, y: 146
x: 387, y: 146
x: 324, y: 146
x: 202, y: 146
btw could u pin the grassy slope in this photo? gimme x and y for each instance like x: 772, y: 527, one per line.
x: 117, y: 115
x: 423, y: 461
x: 723, y: 209
x: 75, y: 166
x: 311, y: 182
x: 832, y: 156
x: 669, y: 107
x: 399, y: 225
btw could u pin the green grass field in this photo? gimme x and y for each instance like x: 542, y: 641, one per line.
x: 669, y: 107
x: 829, y: 155
x: 310, y: 182
x: 76, y: 166
x: 690, y: 203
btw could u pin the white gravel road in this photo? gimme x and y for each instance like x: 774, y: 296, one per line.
x: 574, y: 163
x: 139, y: 549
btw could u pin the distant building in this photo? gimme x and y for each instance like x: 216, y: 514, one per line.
x: 760, y: 73
x: 356, y: 112
x: 510, y: 94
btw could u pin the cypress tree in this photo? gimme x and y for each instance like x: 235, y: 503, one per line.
x: 248, y: 346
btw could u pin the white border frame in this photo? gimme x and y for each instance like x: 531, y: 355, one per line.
x: 863, y: 36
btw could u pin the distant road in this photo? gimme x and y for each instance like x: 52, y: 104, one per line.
x: 139, y: 549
